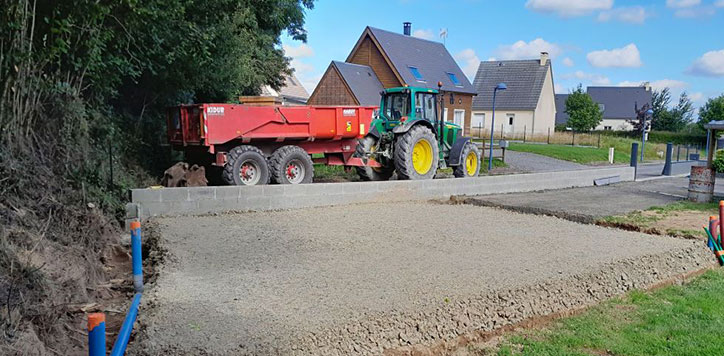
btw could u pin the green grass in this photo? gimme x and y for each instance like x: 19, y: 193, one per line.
x: 585, y: 155
x: 675, y: 320
x: 650, y: 223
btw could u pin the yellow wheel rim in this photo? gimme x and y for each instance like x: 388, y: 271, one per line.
x: 422, y: 156
x: 471, y: 164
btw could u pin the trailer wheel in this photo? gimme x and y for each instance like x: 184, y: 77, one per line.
x: 245, y: 165
x: 291, y: 165
x: 469, y: 162
x: 365, y: 145
x: 416, y: 154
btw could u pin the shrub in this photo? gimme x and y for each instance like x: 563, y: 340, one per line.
x: 718, y: 163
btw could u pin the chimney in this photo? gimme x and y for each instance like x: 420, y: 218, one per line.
x: 406, y: 26
x: 544, y: 58
x: 646, y: 85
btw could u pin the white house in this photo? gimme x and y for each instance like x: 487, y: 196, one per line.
x: 528, y: 105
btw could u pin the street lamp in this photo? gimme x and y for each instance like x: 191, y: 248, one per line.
x: 500, y: 86
x: 648, y: 113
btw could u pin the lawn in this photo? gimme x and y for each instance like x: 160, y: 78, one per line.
x: 675, y: 320
x: 681, y: 219
x: 587, y: 155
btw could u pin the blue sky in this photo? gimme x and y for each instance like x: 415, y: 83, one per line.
x: 674, y: 43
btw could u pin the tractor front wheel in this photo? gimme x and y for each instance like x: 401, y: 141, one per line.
x: 366, y: 146
x: 469, y: 162
x: 245, y: 165
x: 416, y: 154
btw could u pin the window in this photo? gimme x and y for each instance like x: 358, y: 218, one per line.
x: 459, y: 118
x: 607, y: 128
x: 478, y: 121
x: 416, y: 73
x: 510, y: 119
x: 425, y: 106
x: 454, y: 79
x: 396, y: 106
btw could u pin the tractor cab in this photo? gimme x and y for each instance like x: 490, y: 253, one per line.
x: 410, y: 137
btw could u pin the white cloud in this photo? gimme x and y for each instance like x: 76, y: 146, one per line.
x: 697, y: 97
x: 568, y: 8
x: 634, y: 15
x: 305, y: 72
x: 657, y: 84
x: 625, y: 57
x: 679, y: 4
x: 528, y: 50
x: 719, y: 3
x: 469, y: 62
x: 694, y: 12
x: 568, y: 62
x: 559, y: 89
x: 593, y: 78
x: 711, y: 64
x: 424, y: 34
x: 301, y: 51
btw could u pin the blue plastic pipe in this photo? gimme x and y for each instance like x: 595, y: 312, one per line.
x: 97, y: 334
x: 136, y: 256
x: 119, y: 348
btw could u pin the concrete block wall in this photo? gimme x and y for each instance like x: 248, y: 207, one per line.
x: 147, y: 203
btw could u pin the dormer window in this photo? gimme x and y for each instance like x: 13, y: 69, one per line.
x: 454, y: 79
x: 416, y: 73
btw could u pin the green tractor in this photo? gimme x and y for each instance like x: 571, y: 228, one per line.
x: 408, y: 136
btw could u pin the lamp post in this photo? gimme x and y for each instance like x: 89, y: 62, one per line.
x: 649, y: 112
x: 500, y: 86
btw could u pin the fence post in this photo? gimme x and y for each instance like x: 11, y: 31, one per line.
x: 549, y: 136
x: 599, y: 140
x: 634, y: 157
x: 525, y: 128
x: 136, y: 256
x: 667, y: 166
x: 678, y: 152
x: 96, y: 334
x: 573, y: 142
x: 687, y: 152
x: 501, y: 132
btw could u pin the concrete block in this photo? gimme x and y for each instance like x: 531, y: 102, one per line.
x: 145, y: 195
x: 218, y: 206
x: 157, y: 209
x: 272, y: 190
x: 250, y: 191
x: 227, y: 192
x: 202, y: 193
x: 259, y: 202
x: 133, y: 211
x: 174, y: 194
x: 184, y: 207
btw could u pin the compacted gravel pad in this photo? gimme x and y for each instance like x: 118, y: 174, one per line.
x: 366, y: 278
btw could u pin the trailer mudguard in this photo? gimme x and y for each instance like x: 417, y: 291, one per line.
x: 456, y: 150
x: 409, y: 124
x: 374, y: 132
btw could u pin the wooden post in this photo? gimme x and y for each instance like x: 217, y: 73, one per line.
x: 599, y: 140
x: 525, y: 128
x: 709, y: 150
x: 573, y: 142
x: 549, y: 136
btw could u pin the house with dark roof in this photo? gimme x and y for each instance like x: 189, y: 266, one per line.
x: 396, y: 59
x: 292, y: 93
x: 348, y: 84
x: 528, y: 105
x: 618, y: 104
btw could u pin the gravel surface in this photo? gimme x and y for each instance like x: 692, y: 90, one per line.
x: 531, y: 163
x: 364, y: 278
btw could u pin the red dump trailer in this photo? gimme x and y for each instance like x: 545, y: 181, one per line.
x: 260, y: 144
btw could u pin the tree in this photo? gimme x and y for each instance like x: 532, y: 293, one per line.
x: 713, y: 110
x: 674, y: 119
x: 584, y: 114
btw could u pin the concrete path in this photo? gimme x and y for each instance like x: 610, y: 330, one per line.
x: 590, y: 203
x: 363, y: 278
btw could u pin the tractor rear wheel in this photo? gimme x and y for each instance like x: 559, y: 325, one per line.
x: 416, y: 154
x: 291, y: 165
x: 245, y: 165
x: 365, y: 146
x: 469, y: 162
